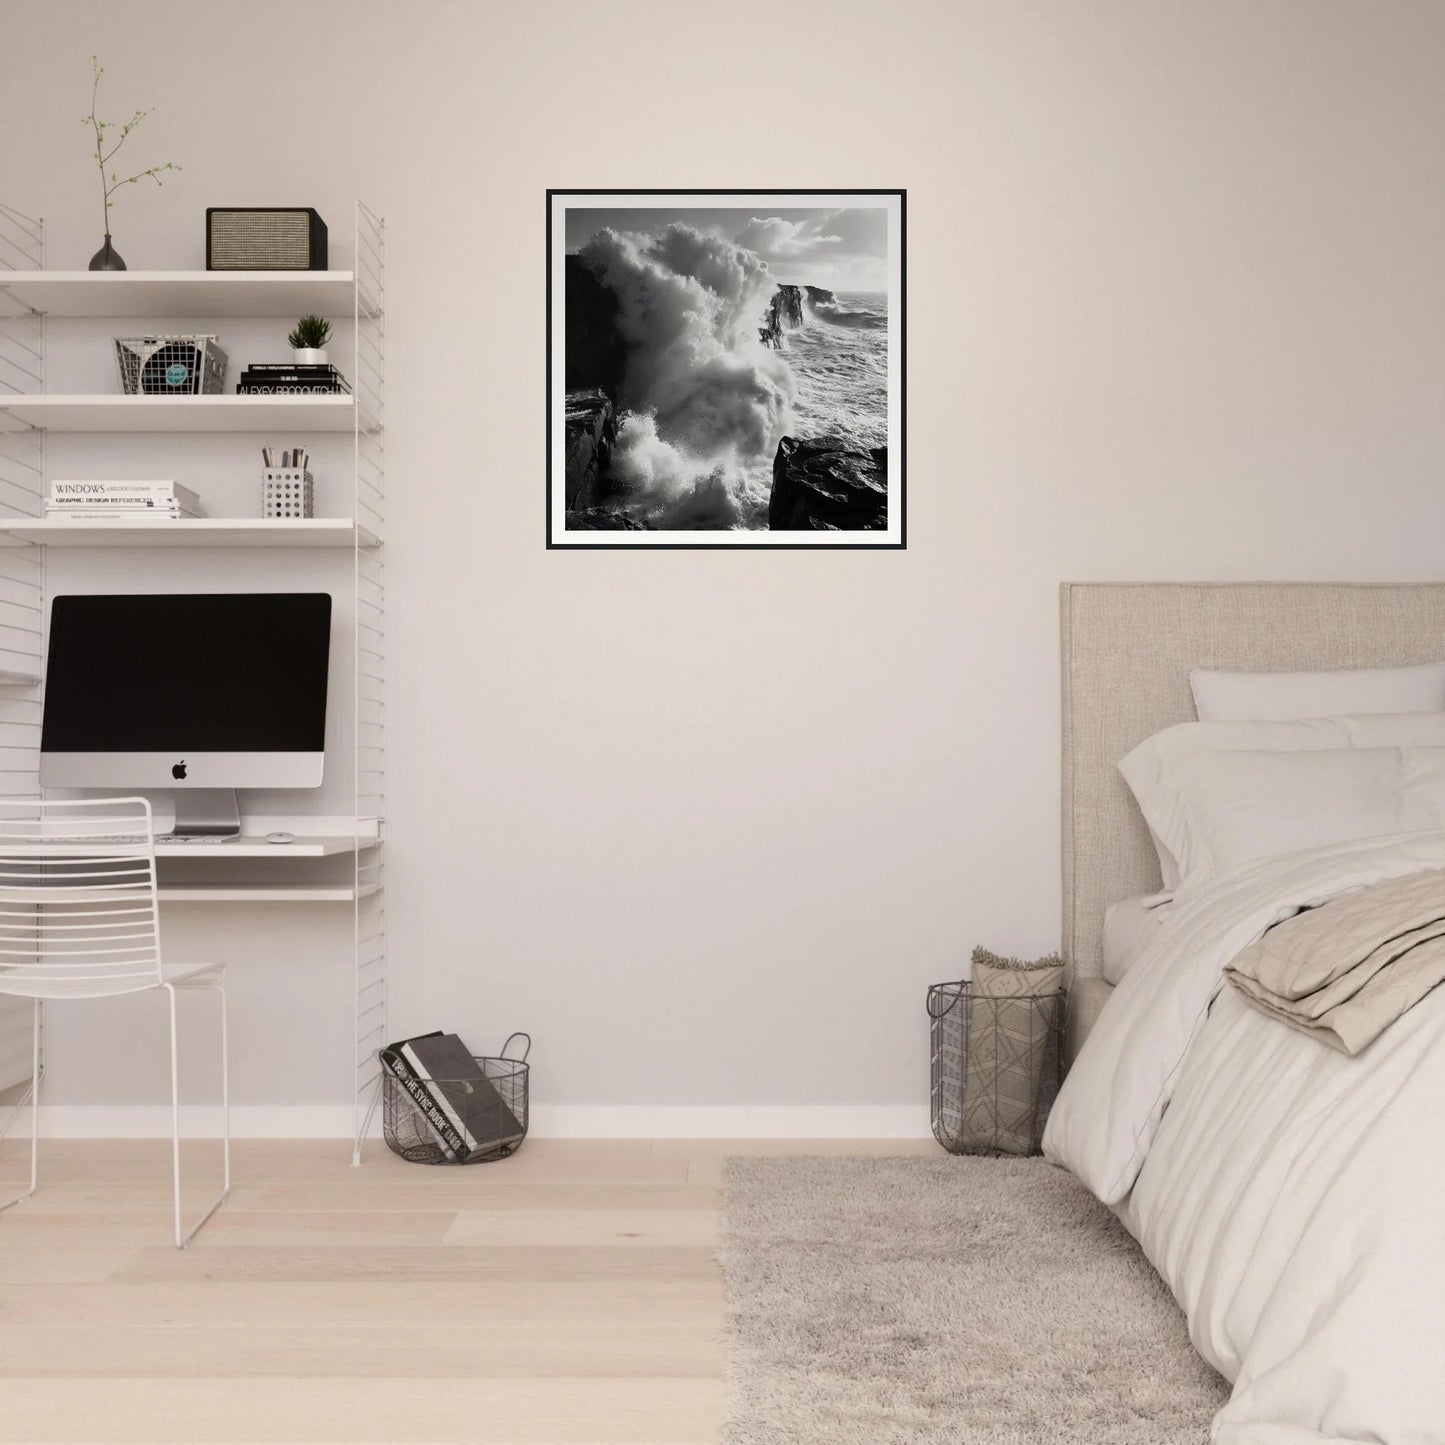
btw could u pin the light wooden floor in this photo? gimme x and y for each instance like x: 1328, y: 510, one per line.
x: 566, y: 1296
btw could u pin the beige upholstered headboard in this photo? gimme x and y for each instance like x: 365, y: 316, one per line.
x: 1127, y: 652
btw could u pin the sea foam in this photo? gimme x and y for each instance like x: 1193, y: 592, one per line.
x: 705, y: 403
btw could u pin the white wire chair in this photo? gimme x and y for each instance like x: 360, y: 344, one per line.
x: 79, y: 919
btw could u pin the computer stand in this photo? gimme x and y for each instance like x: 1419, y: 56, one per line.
x: 202, y: 812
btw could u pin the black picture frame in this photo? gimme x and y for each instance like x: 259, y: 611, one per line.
x: 898, y: 357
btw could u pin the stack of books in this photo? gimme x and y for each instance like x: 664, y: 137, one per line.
x: 89, y: 500
x: 285, y: 378
x: 461, y: 1106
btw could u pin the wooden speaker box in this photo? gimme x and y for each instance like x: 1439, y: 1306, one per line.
x: 268, y: 238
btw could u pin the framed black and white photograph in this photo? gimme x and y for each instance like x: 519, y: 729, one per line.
x: 725, y: 369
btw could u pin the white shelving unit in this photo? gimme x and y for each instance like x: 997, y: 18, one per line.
x: 31, y: 299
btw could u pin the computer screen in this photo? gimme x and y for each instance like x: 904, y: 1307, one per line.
x: 212, y: 690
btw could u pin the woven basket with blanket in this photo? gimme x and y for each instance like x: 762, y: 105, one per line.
x: 997, y: 1050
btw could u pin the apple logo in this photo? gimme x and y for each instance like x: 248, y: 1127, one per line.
x: 179, y: 771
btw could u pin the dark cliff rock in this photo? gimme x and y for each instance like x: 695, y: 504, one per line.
x: 595, y: 352
x: 785, y: 311
x: 591, y: 431
x: 824, y: 485
x: 599, y: 519
x: 820, y: 296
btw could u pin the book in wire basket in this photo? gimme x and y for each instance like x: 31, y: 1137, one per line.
x: 442, y: 1104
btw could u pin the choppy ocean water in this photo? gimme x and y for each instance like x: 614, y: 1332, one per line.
x: 839, y: 361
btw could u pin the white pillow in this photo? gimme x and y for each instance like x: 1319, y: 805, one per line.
x: 1152, y: 769
x: 1285, y: 696
x: 1234, y: 808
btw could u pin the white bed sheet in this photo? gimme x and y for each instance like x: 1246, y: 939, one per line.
x: 1130, y: 926
x: 1290, y: 1196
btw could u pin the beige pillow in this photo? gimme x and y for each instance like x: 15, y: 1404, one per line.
x: 1013, y: 1051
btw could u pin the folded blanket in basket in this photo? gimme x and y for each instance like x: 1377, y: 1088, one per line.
x: 1344, y: 972
x: 1008, y: 1044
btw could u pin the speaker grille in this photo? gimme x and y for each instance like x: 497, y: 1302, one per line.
x: 260, y: 241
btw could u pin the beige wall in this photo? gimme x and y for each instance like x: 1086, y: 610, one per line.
x: 708, y: 823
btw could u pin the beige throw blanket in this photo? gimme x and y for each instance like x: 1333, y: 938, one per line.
x: 1346, y: 971
x: 1013, y: 1037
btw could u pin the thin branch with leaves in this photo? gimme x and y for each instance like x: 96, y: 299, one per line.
x: 104, y: 130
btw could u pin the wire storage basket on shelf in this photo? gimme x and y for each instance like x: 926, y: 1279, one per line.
x: 996, y: 1068
x: 407, y: 1116
x: 180, y: 365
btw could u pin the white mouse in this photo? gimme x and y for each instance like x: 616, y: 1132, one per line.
x: 280, y: 837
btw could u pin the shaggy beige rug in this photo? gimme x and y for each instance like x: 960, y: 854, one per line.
x: 947, y: 1301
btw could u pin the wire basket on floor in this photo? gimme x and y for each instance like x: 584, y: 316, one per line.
x: 409, y: 1133
x: 996, y: 1068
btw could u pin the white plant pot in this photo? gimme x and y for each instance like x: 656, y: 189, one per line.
x: 309, y: 356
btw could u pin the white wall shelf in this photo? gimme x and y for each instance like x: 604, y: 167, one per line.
x: 328, y: 846
x: 319, y: 847
x: 281, y: 294
x: 187, y: 532
x: 262, y: 892
x: 112, y: 413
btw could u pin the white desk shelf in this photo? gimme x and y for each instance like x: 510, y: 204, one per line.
x: 187, y: 532
x: 320, y: 847
x: 222, y: 413
x: 327, y: 846
x: 280, y: 294
x: 38, y: 305
x: 262, y: 892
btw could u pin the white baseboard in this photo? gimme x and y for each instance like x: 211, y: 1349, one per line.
x: 153, y: 1121
x: 731, y: 1121
x: 549, y: 1121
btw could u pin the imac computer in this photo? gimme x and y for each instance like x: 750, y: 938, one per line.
x: 195, y: 693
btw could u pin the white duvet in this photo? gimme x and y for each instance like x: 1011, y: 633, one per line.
x: 1293, y: 1198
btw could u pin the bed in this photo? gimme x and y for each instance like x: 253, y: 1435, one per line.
x: 1291, y: 1197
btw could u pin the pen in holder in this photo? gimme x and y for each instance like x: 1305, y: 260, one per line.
x: 287, y: 492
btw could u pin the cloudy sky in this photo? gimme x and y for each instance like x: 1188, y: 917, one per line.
x: 842, y: 250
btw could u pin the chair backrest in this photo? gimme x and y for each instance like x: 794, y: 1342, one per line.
x: 78, y: 906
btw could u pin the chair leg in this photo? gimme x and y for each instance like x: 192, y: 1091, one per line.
x: 34, y: 1110
x: 184, y: 1236
x: 365, y: 1129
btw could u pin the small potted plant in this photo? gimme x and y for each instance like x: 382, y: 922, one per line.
x: 308, y: 340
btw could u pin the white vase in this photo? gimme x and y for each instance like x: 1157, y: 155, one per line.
x: 309, y: 356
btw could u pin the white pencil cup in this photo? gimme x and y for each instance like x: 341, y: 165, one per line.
x: 287, y: 492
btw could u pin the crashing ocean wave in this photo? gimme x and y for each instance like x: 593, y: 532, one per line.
x: 704, y: 402
x: 868, y: 312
